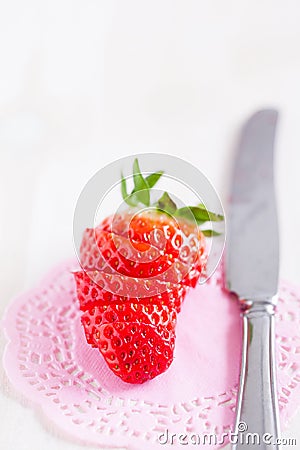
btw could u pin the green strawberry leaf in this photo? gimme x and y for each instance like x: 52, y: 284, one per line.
x: 213, y: 216
x: 210, y: 233
x: 153, y: 178
x: 166, y: 204
x: 141, y: 188
x: 201, y: 214
x: 126, y: 197
x: 141, y: 194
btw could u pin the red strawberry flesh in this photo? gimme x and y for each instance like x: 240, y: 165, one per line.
x: 134, y: 351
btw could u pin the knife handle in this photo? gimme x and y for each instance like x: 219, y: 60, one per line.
x: 257, y: 407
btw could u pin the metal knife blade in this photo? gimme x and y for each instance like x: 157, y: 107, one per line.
x: 253, y: 248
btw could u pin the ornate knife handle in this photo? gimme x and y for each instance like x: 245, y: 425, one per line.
x: 257, y: 423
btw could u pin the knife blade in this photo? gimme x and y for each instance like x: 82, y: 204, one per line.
x: 253, y: 252
x: 252, y: 264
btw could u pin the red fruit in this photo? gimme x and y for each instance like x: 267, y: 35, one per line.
x: 95, y: 288
x: 118, y: 252
x: 152, y: 314
x: 137, y: 267
x: 160, y: 316
x: 136, y: 335
x: 136, y: 352
x: 159, y: 246
x: 175, y: 237
x: 90, y: 256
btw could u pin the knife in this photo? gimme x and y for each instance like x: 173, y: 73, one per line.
x: 252, y: 263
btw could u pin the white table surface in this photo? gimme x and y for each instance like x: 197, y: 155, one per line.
x: 85, y: 82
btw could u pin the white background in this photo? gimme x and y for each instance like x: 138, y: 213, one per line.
x: 83, y: 82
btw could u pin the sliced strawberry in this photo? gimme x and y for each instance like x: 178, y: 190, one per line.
x: 90, y: 256
x: 158, y: 230
x: 135, y: 352
x: 125, y: 259
x: 153, y: 314
x: 158, y: 315
x: 110, y: 253
x: 95, y: 287
x: 137, y: 267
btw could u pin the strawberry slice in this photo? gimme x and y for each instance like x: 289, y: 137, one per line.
x: 162, y: 317
x: 90, y: 256
x: 177, y: 238
x: 111, y: 253
x: 136, y: 352
x: 98, y: 287
x: 125, y: 259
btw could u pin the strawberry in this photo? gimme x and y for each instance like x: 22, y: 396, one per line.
x: 175, y: 253
x: 96, y: 287
x: 135, y: 334
x: 136, y: 352
x: 137, y: 267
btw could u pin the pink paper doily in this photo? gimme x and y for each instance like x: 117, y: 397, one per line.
x: 48, y: 360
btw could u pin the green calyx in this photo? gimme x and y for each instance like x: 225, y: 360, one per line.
x: 140, y: 194
x: 142, y: 186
